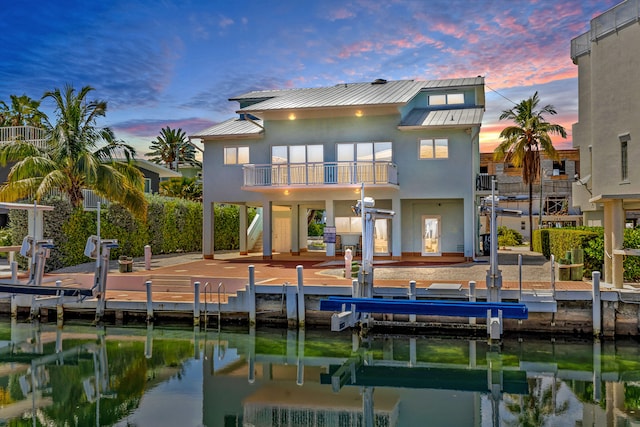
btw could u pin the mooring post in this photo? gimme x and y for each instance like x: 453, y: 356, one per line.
x: 519, y: 277
x: 596, y: 304
x: 14, y: 307
x: 472, y: 298
x: 196, y: 303
x: 412, y: 297
x: 14, y: 271
x: 59, y: 308
x: 148, y: 344
x: 553, y: 276
x: 252, y: 296
x: 301, y: 308
x: 149, y: 301
x: 147, y: 257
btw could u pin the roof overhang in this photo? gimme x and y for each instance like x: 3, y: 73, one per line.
x: 421, y: 118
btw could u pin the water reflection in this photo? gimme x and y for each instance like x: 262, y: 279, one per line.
x: 157, y: 376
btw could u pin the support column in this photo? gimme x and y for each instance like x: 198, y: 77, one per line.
x: 295, y: 229
x: 608, y: 247
x: 244, y: 227
x: 469, y: 227
x: 267, y: 230
x: 617, y: 242
x: 207, y: 230
x: 329, y: 213
x: 396, y: 228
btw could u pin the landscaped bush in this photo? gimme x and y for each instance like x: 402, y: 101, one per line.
x: 508, y: 237
x: 172, y: 225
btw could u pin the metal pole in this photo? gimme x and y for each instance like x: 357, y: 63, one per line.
x: 301, y: 308
x: 196, y: 303
x: 252, y: 296
x: 520, y: 277
x: 149, y: 301
x: 412, y: 297
x: 597, y: 314
x: 472, y: 298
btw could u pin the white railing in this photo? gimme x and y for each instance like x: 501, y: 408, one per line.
x: 311, y: 174
x: 90, y: 199
x: 624, y: 13
x: 34, y: 135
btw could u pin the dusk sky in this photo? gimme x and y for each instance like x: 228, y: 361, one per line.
x: 176, y: 63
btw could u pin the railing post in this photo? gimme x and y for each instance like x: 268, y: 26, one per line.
x: 59, y: 308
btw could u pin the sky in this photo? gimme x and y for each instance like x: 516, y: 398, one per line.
x: 176, y: 63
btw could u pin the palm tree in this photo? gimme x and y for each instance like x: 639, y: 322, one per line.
x: 183, y: 187
x: 171, y: 148
x: 523, y: 141
x: 23, y: 111
x: 78, y: 155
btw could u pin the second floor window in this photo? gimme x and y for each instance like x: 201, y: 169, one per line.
x: 446, y: 99
x: 623, y: 161
x: 364, y: 152
x: 437, y: 148
x: 281, y: 154
x: 236, y: 155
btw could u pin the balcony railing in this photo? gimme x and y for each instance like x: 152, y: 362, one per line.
x: 34, y: 135
x: 608, y: 22
x: 483, y: 182
x: 316, y: 174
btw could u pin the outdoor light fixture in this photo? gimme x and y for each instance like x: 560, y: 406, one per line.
x: 292, y: 116
x: 358, y: 113
x: 286, y: 192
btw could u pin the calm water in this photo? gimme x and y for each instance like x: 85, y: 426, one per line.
x: 88, y: 376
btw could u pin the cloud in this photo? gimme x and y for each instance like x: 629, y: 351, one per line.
x: 340, y: 14
x: 147, y: 128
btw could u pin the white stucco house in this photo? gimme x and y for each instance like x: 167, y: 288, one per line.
x: 414, y: 145
x: 608, y: 187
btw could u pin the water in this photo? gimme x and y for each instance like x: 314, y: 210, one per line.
x: 114, y: 376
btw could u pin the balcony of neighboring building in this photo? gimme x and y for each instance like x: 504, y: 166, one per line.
x: 319, y: 175
x: 31, y: 134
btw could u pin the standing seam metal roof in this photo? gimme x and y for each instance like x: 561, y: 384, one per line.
x: 348, y: 94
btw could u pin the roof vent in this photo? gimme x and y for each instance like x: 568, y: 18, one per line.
x: 379, y: 82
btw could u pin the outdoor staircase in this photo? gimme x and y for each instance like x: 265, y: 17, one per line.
x: 257, y: 246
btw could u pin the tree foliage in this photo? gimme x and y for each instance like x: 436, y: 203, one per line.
x: 523, y: 141
x: 171, y: 148
x: 78, y: 155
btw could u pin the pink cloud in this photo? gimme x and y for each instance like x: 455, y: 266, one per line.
x: 339, y: 14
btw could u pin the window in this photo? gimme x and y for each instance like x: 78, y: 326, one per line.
x: 437, y: 148
x: 447, y: 99
x: 623, y: 161
x: 297, y: 154
x: 236, y: 155
x: 559, y: 167
x: 348, y: 224
x: 147, y: 185
x: 365, y: 152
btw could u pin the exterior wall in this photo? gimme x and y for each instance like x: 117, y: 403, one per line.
x: 435, y: 181
x: 154, y: 177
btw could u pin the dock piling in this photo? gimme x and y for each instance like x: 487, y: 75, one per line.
x: 148, y: 284
x: 196, y: 303
x: 412, y: 297
x: 252, y: 296
x: 596, y: 304
x: 301, y: 307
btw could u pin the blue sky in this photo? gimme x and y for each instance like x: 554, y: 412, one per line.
x: 176, y: 63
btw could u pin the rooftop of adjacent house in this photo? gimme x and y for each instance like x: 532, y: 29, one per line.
x: 378, y: 92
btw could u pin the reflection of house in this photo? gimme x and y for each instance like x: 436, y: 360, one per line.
x: 553, y: 199
x: 608, y: 130
x: 412, y: 144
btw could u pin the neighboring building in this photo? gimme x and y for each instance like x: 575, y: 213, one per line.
x: 154, y: 174
x: 553, y: 200
x: 413, y: 144
x: 608, y: 130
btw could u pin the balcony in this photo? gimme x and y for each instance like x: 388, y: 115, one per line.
x: 34, y: 135
x: 483, y: 182
x: 316, y: 175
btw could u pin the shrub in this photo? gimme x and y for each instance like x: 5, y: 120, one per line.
x: 508, y: 237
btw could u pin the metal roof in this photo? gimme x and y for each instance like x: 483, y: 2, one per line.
x: 348, y: 94
x: 232, y: 127
x: 421, y: 117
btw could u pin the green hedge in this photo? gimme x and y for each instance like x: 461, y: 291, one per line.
x: 172, y: 225
x: 591, y: 239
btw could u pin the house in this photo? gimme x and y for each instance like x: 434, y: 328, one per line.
x: 608, y: 130
x: 412, y: 146
x: 552, y: 202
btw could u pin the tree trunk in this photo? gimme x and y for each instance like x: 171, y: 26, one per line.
x: 531, y: 216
